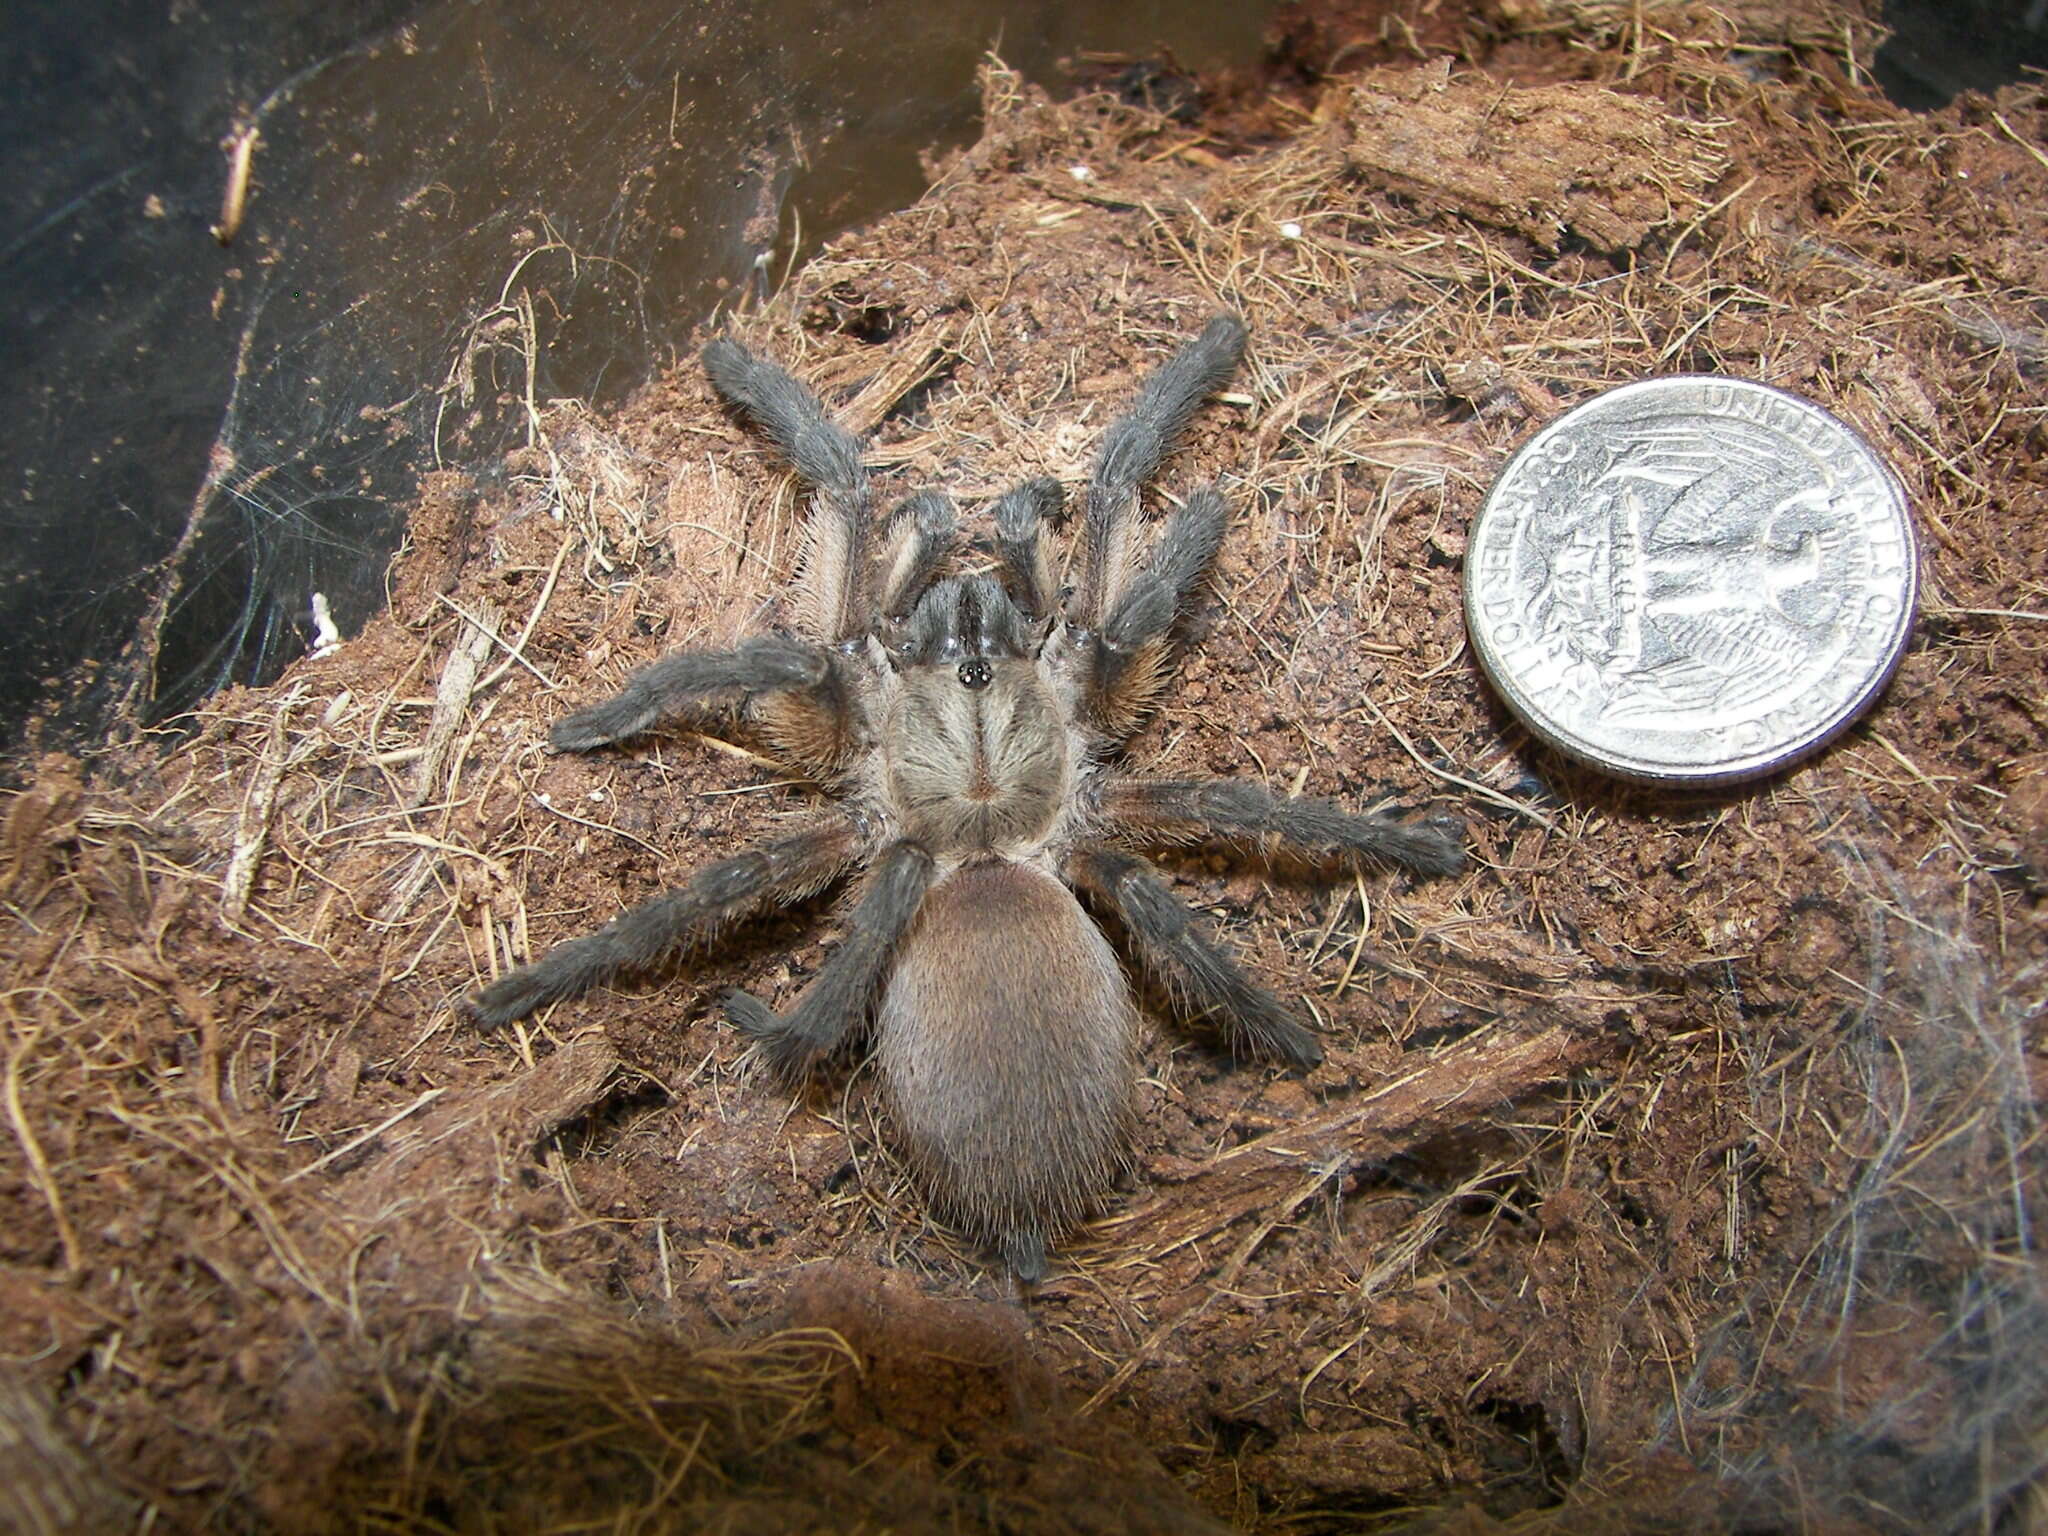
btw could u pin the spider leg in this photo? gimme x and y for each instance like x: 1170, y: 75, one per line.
x: 1131, y: 453
x: 923, y: 529
x: 1019, y: 514
x: 681, y: 683
x: 962, y: 617
x: 781, y: 871
x: 1132, y: 650
x: 1201, y: 978
x: 1318, y: 832
x: 837, y: 578
x: 838, y: 998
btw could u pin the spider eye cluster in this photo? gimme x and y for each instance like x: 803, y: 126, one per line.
x: 975, y: 673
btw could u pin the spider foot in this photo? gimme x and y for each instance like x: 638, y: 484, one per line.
x: 1435, y: 845
x: 790, y: 1050
x: 1264, y: 1029
x: 512, y: 996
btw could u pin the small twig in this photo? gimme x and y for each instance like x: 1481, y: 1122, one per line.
x: 452, y: 696
x: 1137, y: 1358
x: 254, y: 830
x: 421, y: 840
x: 371, y: 1134
x: 1493, y: 795
x: 1691, y: 229
x: 1988, y: 613
x: 734, y: 749
x: 234, y: 198
x: 492, y: 630
x: 32, y: 1150
x: 2032, y: 149
x: 596, y: 826
x: 1318, y: 1179
x: 518, y: 647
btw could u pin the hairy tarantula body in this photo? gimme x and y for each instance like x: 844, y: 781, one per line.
x: 966, y: 722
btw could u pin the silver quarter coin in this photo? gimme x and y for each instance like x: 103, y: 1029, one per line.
x: 1691, y: 580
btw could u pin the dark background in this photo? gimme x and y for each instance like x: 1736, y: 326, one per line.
x: 199, y: 438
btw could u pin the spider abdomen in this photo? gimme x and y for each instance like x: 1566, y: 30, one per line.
x: 1008, y: 1044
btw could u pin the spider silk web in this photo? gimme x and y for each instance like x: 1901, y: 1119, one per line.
x: 454, y: 208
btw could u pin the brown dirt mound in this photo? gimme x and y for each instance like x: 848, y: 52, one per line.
x: 1678, y: 1168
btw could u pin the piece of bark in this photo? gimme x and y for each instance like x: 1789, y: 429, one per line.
x: 1545, y: 162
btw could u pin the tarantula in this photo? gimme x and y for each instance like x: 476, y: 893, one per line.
x: 967, y: 723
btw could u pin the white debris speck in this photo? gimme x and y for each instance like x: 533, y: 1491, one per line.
x: 1080, y: 173
x: 1290, y: 230
x: 326, y: 638
x: 597, y: 794
x: 545, y: 798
